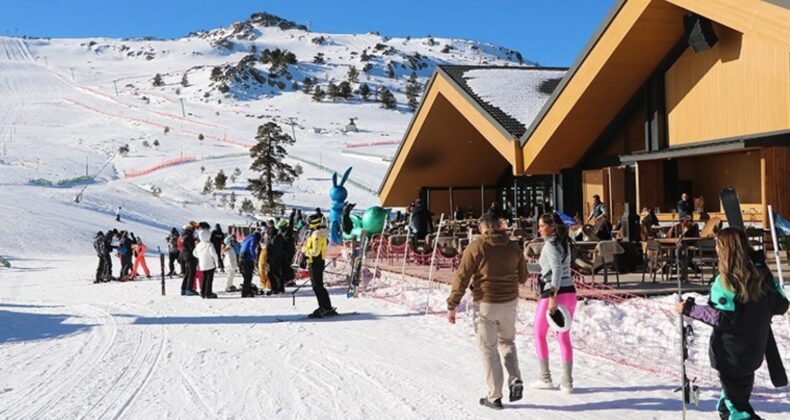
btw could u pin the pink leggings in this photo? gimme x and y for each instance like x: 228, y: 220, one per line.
x: 542, y: 327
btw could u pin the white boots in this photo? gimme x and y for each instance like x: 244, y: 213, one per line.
x: 544, y: 377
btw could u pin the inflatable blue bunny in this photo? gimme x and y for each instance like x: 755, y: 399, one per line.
x: 338, y: 194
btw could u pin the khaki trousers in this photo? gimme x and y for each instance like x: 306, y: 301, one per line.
x: 495, y: 330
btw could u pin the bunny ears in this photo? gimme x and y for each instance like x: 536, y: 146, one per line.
x: 342, y: 181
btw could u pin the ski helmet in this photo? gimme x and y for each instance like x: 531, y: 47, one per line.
x: 560, y: 320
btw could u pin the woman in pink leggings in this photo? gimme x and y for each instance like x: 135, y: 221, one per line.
x: 556, y: 285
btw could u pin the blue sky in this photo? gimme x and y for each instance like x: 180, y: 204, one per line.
x: 552, y: 32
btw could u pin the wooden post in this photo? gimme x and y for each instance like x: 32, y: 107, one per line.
x: 482, y: 199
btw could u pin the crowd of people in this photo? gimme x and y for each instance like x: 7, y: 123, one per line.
x: 130, y: 251
x: 196, y: 253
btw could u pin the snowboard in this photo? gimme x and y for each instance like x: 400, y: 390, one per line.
x: 307, y: 317
x: 732, y: 207
x: 776, y: 369
x: 5, y: 262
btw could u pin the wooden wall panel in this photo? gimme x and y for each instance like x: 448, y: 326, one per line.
x: 775, y: 165
x: 616, y: 194
x: 740, y: 86
x: 649, y: 184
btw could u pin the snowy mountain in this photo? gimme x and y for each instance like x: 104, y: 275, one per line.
x: 184, y: 109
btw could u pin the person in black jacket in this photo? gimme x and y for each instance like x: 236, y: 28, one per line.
x: 125, y: 251
x: 190, y: 262
x: 743, y: 298
x: 289, y: 252
x: 274, y: 257
x: 98, y: 245
x: 217, y: 236
x: 685, y: 207
x: 172, y: 251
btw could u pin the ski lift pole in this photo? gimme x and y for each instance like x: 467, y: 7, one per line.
x: 433, y: 258
x: 79, y: 194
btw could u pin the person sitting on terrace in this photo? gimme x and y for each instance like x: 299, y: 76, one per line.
x: 598, y: 210
x: 685, y: 207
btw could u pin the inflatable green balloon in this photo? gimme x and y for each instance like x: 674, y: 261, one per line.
x: 372, y: 222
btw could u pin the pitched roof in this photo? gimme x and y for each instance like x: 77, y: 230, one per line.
x: 512, y: 96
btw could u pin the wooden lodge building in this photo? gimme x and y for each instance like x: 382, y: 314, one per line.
x: 668, y: 96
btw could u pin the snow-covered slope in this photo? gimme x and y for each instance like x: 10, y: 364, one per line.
x: 68, y: 105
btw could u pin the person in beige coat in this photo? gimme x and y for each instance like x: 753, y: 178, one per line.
x: 495, y: 267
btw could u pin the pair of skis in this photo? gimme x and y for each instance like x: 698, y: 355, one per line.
x: 732, y: 209
x: 357, y: 264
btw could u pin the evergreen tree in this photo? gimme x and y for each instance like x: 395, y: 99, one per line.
x: 367, y: 68
x: 247, y: 206
x: 208, y: 187
x: 216, y: 74
x: 232, y: 200
x: 413, y: 91
x: 353, y: 74
x: 236, y: 173
x: 319, y: 59
x: 364, y: 91
x: 344, y: 90
x: 184, y: 80
x: 220, y: 180
x: 364, y: 56
x: 307, y: 84
x: 295, y: 86
x: 269, y: 159
x: 387, y: 98
x: 158, y: 80
x: 318, y: 94
x: 332, y: 91
x: 390, y: 70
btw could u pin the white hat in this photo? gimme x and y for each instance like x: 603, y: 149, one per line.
x: 560, y: 320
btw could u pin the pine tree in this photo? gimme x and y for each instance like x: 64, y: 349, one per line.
x: 158, y: 80
x: 318, y: 94
x: 247, y: 206
x: 269, y: 159
x: 184, y: 80
x: 367, y: 68
x: 413, y: 91
x: 295, y: 86
x: 307, y: 85
x: 332, y: 91
x: 390, y: 70
x: 364, y: 91
x: 232, y: 200
x: 353, y: 74
x: 319, y: 59
x: 220, y: 180
x: 216, y: 74
x: 387, y: 98
x: 208, y: 187
x: 344, y: 90
x: 236, y: 173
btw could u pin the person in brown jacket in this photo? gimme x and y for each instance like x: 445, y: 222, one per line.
x: 495, y: 266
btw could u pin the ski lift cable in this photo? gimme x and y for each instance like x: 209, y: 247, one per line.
x: 79, y: 194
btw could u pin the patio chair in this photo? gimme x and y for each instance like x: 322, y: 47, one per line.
x: 705, y: 256
x: 606, y: 253
x: 656, y: 258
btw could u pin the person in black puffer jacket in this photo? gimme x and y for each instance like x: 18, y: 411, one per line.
x: 189, y: 260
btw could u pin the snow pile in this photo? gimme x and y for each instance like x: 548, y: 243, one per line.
x: 521, y: 93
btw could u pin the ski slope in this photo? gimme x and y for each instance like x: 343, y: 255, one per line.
x: 123, y: 351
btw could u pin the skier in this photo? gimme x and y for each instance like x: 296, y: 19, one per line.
x: 289, y: 244
x: 98, y: 245
x: 262, y: 266
x: 107, y: 254
x: 190, y: 263
x: 743, y: 298
x: 207, y: 259
x: 217, y: 236
x: 229, y: 250
x: 314, y: 251
x: 139, y: 250
x: 315, y: 220
x: 247, y: 257
x: 556, y: 288
x: 118, y: 214
x: 172, y: 250
x: 495, y: 267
